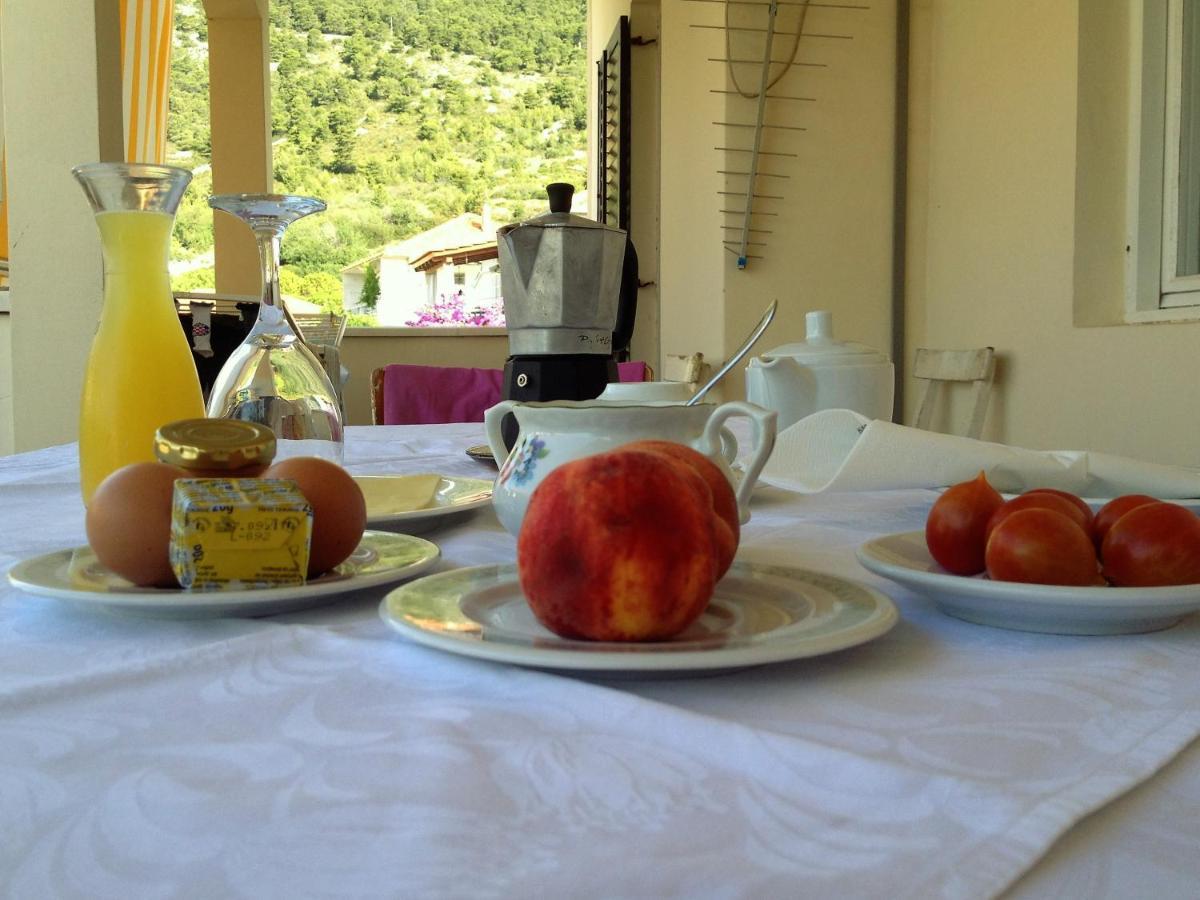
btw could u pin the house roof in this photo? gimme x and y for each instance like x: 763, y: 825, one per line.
x: 468, y: 233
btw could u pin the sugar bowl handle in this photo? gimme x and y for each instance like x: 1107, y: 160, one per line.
x: 492, y: 419
x: 762, y: 422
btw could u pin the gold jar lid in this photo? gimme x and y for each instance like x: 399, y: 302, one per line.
x: 214, y: 444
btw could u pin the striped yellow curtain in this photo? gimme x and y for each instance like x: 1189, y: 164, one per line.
x: 146, y: 31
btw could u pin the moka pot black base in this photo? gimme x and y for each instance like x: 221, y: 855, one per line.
x: 557, y: 377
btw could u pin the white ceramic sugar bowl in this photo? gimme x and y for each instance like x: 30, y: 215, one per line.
x: 556, y: 432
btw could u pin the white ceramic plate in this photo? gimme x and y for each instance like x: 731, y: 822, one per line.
x: 77, y: 577
x: 453, y: 496
x: 482, y: 452
x: 905, y: 559
x: 759, y: 614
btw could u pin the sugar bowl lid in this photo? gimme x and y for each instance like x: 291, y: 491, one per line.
x: 822, y: 348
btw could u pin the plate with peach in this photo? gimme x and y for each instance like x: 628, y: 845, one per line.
x: 625, y: 563
x: 757, y: 614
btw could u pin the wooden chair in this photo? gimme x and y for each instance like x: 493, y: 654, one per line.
x: 940, y: 367
x: 323, y: 333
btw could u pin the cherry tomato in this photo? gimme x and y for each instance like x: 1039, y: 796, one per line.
x: 1153, y: 544
x: 1078, y: 502
x: 954, y: 531
x: 1113, y: 510
x: 1039, y: 500
x: 1039, y: 545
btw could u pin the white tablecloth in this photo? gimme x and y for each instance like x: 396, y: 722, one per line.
x: 319, y: 754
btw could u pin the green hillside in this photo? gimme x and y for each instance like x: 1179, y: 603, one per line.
x: 399, y: 114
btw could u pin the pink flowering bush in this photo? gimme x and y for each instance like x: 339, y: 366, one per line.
x: 453, y: 310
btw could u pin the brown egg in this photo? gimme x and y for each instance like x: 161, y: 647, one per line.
x: 339, y: 508
x: 129, y: 522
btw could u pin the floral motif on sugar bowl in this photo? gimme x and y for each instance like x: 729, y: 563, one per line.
x: 521, y: 464
x: 550, y: 434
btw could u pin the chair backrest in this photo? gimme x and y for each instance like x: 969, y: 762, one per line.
x: 636, y: 370
x: 939, y: 367
x: 320, y: 329
x: 427, y: 395
x: 322, y: 333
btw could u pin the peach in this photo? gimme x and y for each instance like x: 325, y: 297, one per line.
x: 619, y: 546
x: 724, y: 500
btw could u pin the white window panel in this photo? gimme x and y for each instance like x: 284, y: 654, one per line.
x: 1181, y: 157
x: 1163, y: 236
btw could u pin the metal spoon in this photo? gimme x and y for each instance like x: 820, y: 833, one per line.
x: 736, y: 358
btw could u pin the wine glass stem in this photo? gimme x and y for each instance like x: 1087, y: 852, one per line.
x: 268, y: 255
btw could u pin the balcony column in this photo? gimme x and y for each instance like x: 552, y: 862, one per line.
x: 56, y: 271
x: 240, y: 120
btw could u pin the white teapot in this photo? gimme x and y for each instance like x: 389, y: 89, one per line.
x: 550, y: 434
x: 820, y: 372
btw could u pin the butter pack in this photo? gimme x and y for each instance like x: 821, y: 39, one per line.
x: 236, y: 533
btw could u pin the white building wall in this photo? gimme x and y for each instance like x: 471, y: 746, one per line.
x: 401, y: 292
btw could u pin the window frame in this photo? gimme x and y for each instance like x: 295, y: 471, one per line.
x: 1153, y: 292
x: 1178, y: 290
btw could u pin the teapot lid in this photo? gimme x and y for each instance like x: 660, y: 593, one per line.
x: 560, y: 215
x: 820, y: 346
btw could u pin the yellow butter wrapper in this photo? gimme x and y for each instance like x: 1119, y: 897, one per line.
x: 236, y: 533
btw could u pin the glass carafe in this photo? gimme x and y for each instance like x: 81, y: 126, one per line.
x: 140, y: 371
x: 273, y: 378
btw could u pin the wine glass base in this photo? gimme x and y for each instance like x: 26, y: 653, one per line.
x: 333, y: 451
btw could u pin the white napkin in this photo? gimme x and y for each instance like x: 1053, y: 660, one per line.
x: 840, y: 450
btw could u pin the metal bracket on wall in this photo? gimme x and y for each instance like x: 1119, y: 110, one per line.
x: 750, y: 29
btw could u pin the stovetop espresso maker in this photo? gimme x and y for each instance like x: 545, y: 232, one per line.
x: 570, y: 293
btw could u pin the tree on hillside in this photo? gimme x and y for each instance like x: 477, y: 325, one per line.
x: 370, y: 290
x: 358, y: 55
x: 342, y: 126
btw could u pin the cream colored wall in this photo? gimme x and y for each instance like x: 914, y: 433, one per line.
x: 832, y: 241
x: 992, y: 195
x: 6, y: 388
x: 366, y: 349
x: 54, y: 246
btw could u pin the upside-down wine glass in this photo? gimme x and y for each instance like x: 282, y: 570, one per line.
x: 272, y: 377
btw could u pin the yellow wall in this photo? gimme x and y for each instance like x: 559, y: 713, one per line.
x: 832, y: 241
x: 992, y: 233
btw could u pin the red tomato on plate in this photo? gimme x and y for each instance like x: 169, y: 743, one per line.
x: 1039, y: 500
x: 1151, y: 545
x: 1108, y: 514
x: 954, y: 530
x: 1038, y: 545
x: 1078, y: 502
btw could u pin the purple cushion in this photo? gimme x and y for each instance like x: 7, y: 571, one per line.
x: 426, y: 395
x: 631, y: 371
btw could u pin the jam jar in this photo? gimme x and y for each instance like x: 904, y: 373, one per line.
x: 216, y: 448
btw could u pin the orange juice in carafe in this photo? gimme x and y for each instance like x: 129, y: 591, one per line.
x: 140, y: 372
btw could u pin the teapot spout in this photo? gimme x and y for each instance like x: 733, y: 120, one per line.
x: 774, y: 367
x: 779, y: 383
